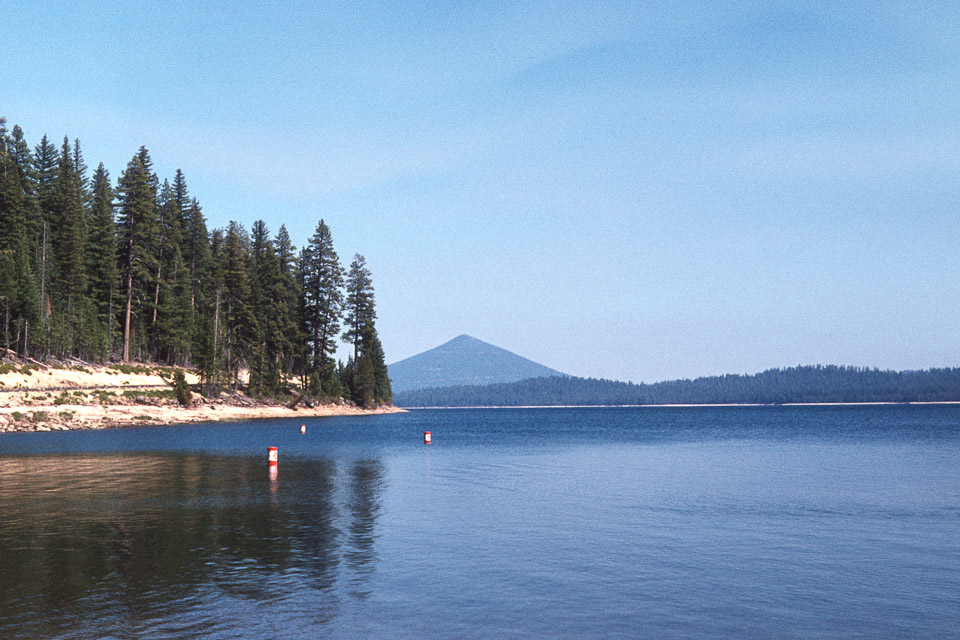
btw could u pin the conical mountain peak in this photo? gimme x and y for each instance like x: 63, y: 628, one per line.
x: 464, y: 360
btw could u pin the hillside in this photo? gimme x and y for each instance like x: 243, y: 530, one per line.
x: 811, y: 384
x: 463, y: 361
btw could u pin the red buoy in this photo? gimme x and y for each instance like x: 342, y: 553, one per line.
x: 426, y: 437
x: 272, y: 456
x: 303, y: 428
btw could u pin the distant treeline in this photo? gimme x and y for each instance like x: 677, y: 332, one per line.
x: 775, y: 386
x: 100, y: 271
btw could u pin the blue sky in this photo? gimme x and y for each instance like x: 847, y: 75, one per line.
x: 640, y: 191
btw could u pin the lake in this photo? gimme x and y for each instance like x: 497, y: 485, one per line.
x: 753, y: 522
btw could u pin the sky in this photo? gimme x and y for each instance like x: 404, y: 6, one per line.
x: 640, y: 191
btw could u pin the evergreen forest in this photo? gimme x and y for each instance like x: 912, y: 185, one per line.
x: 806, y: 384
x: 99, y: 271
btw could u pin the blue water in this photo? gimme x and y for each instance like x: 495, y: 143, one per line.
x: 763, y: 522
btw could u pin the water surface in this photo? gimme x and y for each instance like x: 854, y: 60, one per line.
x: 590, y: 523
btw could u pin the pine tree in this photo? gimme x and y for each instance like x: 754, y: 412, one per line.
x: 364, y: 383
x: 20, y: 152
x: 294, y: 336
x: 208, y: 335
x: 13, y: 220
x: 12, y: 229
x: 171, y: 319
x: 382, y: 391
x: 360, y: 311
x: 331, y: 387
x: 274, y: 314
x: 263, y: 377
x: 19, y: 216
x: 102, y: 258
x: 67, y: 248
x: 137, y: 191
x: 45, y: 165
x: 345, y: 373
x: 46, y: 161
x: 323, y: 298
x: 241, y: 329
x: 197, y: 260
x: 368, y: 351
x: 181, y: 195
x: 80, y: 170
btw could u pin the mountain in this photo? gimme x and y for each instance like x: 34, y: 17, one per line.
x: 463, y: 361
x: 808, y: 384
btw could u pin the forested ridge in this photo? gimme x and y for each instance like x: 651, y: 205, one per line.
x: 805, y: 384
x: 103, y: 272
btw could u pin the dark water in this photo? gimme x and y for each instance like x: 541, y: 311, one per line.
x: 558, y: 523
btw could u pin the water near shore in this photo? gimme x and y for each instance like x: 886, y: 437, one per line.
x: 766, y: 522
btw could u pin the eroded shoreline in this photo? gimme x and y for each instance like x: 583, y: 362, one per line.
x: 74, y: 397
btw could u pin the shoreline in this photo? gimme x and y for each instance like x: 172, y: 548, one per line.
x: 86, y: 417
x: 686, y: 406
x: 82, y: 397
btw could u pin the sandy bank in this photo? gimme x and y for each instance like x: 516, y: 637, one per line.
x: 86, y: 397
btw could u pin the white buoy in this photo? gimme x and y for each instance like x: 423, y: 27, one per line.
x: 426, y: 437
x: 272, y: 456
x: 303, y: 428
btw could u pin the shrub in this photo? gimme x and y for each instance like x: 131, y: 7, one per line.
x: 104, y: 396
x: 181, y: 389
x: 149, y: 393
x: 137, y: 369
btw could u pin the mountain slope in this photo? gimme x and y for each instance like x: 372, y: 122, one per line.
x: 463, y: 361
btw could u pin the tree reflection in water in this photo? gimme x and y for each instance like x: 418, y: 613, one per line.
x: 129, y: 545
x: 366, y: 485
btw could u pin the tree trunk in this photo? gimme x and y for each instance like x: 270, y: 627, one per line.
x: 156, y: 294
x: 6, y: 326
x: 193, y: 282
x: 216, y: 337
x: 229, y: 345
x: 126, y: 317
x: 43, y: 276
x: 110, y: 322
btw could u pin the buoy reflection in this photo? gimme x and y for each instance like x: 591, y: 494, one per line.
x: 272, y: 474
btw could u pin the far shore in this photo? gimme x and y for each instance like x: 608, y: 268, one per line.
x: 66, y: 397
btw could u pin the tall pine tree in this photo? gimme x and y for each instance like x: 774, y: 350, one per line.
x: 137, y: 223
x: 370, y: 380
x: 323, y: 298
x: 360, y: 311
x: 102, y: 259
x: 240, y: 327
